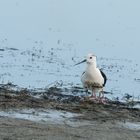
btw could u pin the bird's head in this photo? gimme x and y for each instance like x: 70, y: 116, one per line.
x: 90, y: 59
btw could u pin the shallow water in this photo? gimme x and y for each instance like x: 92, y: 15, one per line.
x: 42, y: 116
x: 58, y: 117
x: 38, y: 48
x: 131, y: 125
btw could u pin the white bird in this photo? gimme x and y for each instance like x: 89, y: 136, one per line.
x: 93, y: 78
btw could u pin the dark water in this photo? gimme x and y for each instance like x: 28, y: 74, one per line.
x: 40, y: 41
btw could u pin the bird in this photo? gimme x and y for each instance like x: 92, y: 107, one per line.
x: 93, y: 78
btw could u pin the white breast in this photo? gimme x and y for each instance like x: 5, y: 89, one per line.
x: 93, y: 77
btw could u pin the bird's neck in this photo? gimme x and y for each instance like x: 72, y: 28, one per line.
x: 91, y: 66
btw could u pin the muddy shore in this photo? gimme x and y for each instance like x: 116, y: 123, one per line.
x: 95, y: 120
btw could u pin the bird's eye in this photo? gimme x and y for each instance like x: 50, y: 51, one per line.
x: 90, y: 57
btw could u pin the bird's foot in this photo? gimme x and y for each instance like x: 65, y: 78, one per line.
x: 94, y: 99
x: 103, y: 100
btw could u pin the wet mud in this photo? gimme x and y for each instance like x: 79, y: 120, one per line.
x: 98, y: 119
x: 55, y: 98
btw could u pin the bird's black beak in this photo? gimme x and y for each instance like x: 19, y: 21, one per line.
x: 81, y: 62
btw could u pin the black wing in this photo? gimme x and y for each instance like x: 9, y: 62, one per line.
x: 104, y: 76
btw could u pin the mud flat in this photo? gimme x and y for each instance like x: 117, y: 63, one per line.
x: 53, y: 115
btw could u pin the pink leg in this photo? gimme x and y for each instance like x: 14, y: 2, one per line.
x: 93, y: 96
x: 101, y: 94
x: 101, y: 97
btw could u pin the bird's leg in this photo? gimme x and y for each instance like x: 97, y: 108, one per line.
x: 101, y: 96
x: 93, y: 94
